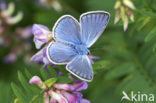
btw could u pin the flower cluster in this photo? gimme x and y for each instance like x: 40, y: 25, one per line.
x: 51, y: 3
x: 18, y: 39
x: 42, y: 36
x: 123, y: 12
x: 59, y: 93
x: 21, y: 44
x: 7, y: 12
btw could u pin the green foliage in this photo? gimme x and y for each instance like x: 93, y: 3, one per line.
x: 63, y: 79
x: 17, y: 101
x: 6, y: 92
x: 132, y: 66
x: 50, y: 81
x: 151, y: 35
x: 26, y: 93
x: 147, y: 13
x: 120, y: 70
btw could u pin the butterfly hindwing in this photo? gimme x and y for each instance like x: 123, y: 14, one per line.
x: 60, y: 53
x: 67, y: 29
x: 92, y: 24
x: 81, y: 67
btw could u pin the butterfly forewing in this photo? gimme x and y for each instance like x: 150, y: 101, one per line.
x: 67, y: 29
x: 92, y: 24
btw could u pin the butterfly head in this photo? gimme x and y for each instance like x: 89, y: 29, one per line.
x: 81, y: 49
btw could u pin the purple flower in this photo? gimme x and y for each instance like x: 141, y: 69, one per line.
x: 41, y: 57
x: 24, y: 32
x: 57, y: 96
x: 42, y: 35
x: 77, y: 86
x: 73, y: 98
x: 2, y: 5
x: 11, y: 57
x: 59, y: 93
x: 69, y: 87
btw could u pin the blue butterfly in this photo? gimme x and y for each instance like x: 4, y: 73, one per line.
x: 72, y: 40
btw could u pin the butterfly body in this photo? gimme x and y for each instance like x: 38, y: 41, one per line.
x: 81, y: 49
x: 72, y: 40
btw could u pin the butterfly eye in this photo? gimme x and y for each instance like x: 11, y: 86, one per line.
x: 88, y: 53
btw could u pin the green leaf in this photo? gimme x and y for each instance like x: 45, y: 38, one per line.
x: 17, y: 101
x: 26, y: 92
x: 151, y: 35
x: 154, y: 47
x: 120, y: 70
x: 63, y: 79
x: 24, y: 82
x: 101, y: 64
x: 6, y: 93
x: 28, y: 74
x: 19, y: 93
x: 147, y: 13
x: 44, y: 74
x: 50, y: 81
x: 52, y: 71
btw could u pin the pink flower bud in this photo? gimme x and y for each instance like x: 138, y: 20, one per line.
x: 36, y: 80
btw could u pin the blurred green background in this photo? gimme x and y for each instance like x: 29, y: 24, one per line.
x: 127, y: 59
